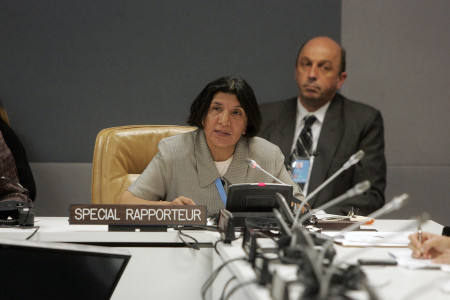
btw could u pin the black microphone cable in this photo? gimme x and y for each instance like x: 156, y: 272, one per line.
x: 221, y: 241
x: 194, y: 244
x: 215, y: 273
x: 34, y: 232
x: 36, y: 228
x: 226, y: 286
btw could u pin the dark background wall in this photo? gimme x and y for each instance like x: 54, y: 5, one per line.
x: 398, y: 61
x: 72, y: 68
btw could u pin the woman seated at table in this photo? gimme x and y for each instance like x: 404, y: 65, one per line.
x: 188, y: 166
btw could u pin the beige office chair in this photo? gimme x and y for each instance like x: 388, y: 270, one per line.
x: 4, y: 115
x: 121, y: 154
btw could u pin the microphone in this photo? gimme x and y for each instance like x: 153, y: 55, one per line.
x: 254, y: 165
x: 354, y: 159
x: 395, y: 204
x: 18, y: 185
x: 358, y: 189
x: 18, y: 206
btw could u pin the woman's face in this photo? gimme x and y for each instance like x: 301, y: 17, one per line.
x: 224, y: 124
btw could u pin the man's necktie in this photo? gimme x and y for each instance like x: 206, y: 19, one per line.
x: 304, y: 142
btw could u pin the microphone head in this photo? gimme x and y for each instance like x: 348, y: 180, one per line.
x: 358, y: 188
x: 358, y: 155
x: 362, y: 187
x: 398, y: 202
x: 251, y: 162
x: 354, y: 159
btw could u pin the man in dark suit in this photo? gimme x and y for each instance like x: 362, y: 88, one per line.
x: 341, y: 128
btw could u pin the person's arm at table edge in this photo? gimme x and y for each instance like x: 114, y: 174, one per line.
x: 128, y: 198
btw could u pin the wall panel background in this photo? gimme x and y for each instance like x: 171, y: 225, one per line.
x: 398, y: 62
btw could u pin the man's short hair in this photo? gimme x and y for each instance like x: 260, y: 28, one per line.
x: 343, y: 63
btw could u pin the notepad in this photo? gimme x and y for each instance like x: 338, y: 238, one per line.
x: 404, y: 259
x: 372, y: 239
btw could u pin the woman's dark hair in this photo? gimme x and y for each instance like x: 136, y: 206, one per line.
x: 230, y: 85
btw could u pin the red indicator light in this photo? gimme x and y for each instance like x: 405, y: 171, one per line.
x: 261, y: 184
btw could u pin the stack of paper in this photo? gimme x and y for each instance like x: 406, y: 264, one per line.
x: 371, y: 239
x: 404, y: 259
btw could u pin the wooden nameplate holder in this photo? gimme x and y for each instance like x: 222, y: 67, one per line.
x: 121, y: 217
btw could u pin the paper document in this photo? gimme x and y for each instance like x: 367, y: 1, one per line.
x: 404, y: 259
x: 371, y: 239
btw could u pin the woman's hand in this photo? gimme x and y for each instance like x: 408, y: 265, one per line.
x: 433, y: 247
x: 129, y: 198
x: 182, y: 201
x: 415, y: 244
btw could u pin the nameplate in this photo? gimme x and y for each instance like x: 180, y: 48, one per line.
x: 137, y: 214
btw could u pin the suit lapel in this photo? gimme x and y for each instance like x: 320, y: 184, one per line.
x: 283, y: 134
x: 329, y: 139
x: 237, y: 171
x: 207, y: 171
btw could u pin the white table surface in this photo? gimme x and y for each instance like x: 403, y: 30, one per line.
x: 390, y: 282
x: 178, y: 272
x: 157, y: 269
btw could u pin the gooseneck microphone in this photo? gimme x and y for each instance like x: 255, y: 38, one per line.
x: 358, y: 189
x: 254, y: 165
x: 15, y: 183
x: 354, y: 159
x: 393, y: 205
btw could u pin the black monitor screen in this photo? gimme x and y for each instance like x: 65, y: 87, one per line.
x: 33, y: 270
x: 256, y: 197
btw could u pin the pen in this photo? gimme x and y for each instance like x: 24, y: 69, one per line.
x: 419, y: 232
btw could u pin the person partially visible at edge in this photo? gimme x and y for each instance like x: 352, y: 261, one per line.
x: 187, y: 166
x: 10, y: 189
x: 25, y: 175
x: 433, y: 246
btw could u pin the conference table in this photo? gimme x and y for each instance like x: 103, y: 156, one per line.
x: 389, y: 282
x: 163, y: 267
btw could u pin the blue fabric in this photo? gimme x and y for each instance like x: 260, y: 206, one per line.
x: 221, y: 190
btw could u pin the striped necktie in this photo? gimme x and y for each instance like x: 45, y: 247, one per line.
x: 304, y: 142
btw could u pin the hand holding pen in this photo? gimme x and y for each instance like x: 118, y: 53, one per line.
x: 432, y: 246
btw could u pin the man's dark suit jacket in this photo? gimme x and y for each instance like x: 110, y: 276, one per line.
x: 348, y: 127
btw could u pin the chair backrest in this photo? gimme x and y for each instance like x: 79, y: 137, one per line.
x: 121, y: 154
x: 4, y: 115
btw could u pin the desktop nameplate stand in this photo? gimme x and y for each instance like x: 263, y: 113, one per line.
x: 138, y: 217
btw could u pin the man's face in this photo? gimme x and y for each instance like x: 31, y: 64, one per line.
x: 317, y: 72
